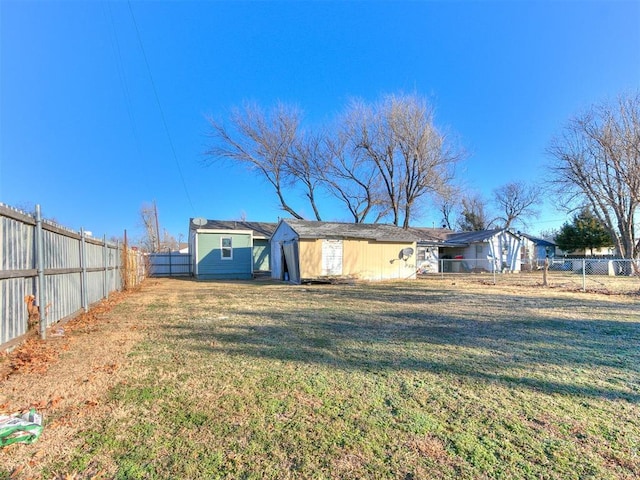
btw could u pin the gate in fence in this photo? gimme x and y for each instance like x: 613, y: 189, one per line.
x: 169, y: 264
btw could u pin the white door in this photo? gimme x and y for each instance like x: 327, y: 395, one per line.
x: 331, y: 257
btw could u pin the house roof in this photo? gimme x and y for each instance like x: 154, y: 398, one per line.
x: 367, y: 231
x: 431, y: 235
x: 463, y: 239
x: 260, y: 229
x: 473, y: 237
x: 538, y: 241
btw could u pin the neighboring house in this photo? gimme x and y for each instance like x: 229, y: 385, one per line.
x: 229, y: 249
x: 535, y: 250
x: 477, y: 251
x: 588, y: 252
x: 428, y: 248
x: 304, y: 250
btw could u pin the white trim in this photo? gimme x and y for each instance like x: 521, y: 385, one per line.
x: 223, y: 230
x: 194, y: 259
x: 223, y: 248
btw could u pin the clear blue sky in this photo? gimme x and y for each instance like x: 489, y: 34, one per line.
x: 92, y: 126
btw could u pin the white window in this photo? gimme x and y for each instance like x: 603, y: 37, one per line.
x: 226, y: 248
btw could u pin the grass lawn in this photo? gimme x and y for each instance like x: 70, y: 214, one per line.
x: 409, y: 380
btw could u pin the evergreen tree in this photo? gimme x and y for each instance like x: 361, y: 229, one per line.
x: 584, y: 232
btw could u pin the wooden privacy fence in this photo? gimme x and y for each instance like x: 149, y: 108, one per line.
x: 66, y: 271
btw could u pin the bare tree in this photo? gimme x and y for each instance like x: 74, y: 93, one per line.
x: 448, y: 203
x: 150, y: 241
x: 381, y: 160
x: 348, y: 175
x: 473, y: 215
x: 516, y: 201
x: 169, y: 242
x: 261, y: 141
x: 597, y: 162
x: 412, y: 157
x: 447, y: 209
x: 373, y: 142
x: 305, y: 163
x: 427, y: 156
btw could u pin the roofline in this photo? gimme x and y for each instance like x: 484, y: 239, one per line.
x: 347, y: 236
x: 223, y: 230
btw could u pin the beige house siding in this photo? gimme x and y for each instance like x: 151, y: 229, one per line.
x: 310, y: 253
x: 582, y: 252
x: 362, y: 259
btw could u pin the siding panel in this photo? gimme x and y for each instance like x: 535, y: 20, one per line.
x: 211, y: 264
x: 63, y: 288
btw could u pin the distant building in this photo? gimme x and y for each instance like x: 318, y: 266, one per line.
x: 475, y: 251
x: 535, y: 250
x: 229, y: 249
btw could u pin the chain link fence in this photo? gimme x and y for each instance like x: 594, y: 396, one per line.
x: 606, y: 275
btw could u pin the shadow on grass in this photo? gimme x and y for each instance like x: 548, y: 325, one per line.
x: 550, y: 355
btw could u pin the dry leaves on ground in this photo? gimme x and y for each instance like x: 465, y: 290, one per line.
x: 64, y: 378
x: 37, y: 356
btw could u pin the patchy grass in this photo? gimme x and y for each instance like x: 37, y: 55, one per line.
x: 420, y: 379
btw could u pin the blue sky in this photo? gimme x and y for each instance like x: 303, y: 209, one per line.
x: 93, y: 126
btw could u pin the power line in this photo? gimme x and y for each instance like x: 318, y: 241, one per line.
x: 162, y: 116
x: 115, y: 44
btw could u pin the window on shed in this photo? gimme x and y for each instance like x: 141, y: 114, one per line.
x: 226, y: 248
x: 478, y: 251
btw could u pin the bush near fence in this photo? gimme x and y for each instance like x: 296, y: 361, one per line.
x: 66, y: 271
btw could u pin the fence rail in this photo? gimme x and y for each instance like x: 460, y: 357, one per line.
x: 65, y: 271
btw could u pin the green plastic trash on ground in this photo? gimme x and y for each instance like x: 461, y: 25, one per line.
x: 20, y: 428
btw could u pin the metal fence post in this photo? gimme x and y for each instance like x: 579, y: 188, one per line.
x: 84, y: 295
x: 584, y: 274
x: 105, y: 288
x: 116, y: 263
x: 495, y: 267
x: 40, y: 269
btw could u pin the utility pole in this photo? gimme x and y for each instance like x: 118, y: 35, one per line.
x: 155, y: 210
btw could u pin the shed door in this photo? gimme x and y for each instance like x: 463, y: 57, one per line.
x: 290, y: 255
x: 331, y: 257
